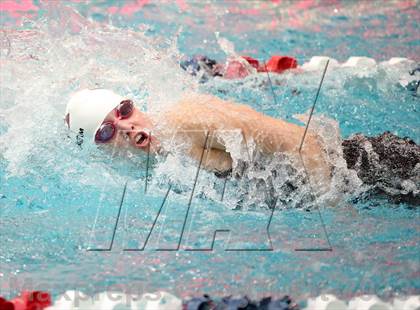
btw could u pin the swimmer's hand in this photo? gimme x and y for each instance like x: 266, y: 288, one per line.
x: 215, y: 160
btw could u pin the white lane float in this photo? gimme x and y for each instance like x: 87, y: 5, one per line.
x: 319, y: 62
x: 326, y: 302
x: 75, y: 300
x: 397, y: 61
x: 159, y: 301
x: 71, y: 300
x: 407, y: 303
x: 368, y: 302
x: 364, y: 302
x: 360, y: 62
x: 404, y: 68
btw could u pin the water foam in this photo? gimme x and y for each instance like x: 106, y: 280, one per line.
x: 57, y: 56
x: 64, y: 52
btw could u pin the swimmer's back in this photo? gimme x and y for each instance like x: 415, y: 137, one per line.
x: 204, y: 112
x: 197, y: 114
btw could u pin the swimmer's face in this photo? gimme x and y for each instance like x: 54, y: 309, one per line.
x: 126, y: 127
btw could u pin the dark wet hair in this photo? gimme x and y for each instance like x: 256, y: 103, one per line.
x: 387, y: 162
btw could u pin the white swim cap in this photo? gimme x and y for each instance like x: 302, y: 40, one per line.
x: 88, y: 108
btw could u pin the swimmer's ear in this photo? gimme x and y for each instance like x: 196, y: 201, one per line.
x: 67, y: 120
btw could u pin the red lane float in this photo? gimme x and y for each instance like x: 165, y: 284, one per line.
x: 28, y: 300
x: 245, y: 65
x: 237, y: 69
x: 279, y: 64
x: 253, y: 62
x: 6, y: 305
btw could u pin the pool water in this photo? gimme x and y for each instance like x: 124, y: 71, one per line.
x: 63, y: 225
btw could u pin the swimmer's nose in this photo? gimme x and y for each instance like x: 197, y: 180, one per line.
x: 125, y: 127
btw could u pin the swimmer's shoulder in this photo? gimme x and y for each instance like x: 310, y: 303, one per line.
x: 212, y: 103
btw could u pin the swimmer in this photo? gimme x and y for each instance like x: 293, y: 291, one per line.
x: 109, y: 119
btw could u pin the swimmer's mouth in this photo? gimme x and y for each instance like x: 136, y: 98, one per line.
x: 142, y: 139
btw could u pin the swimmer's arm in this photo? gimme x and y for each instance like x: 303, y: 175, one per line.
x: 213, y: 159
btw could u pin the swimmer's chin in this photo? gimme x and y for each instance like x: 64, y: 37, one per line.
x: 149, y: 145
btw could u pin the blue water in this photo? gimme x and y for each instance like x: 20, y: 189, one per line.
x: 57, y: 201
